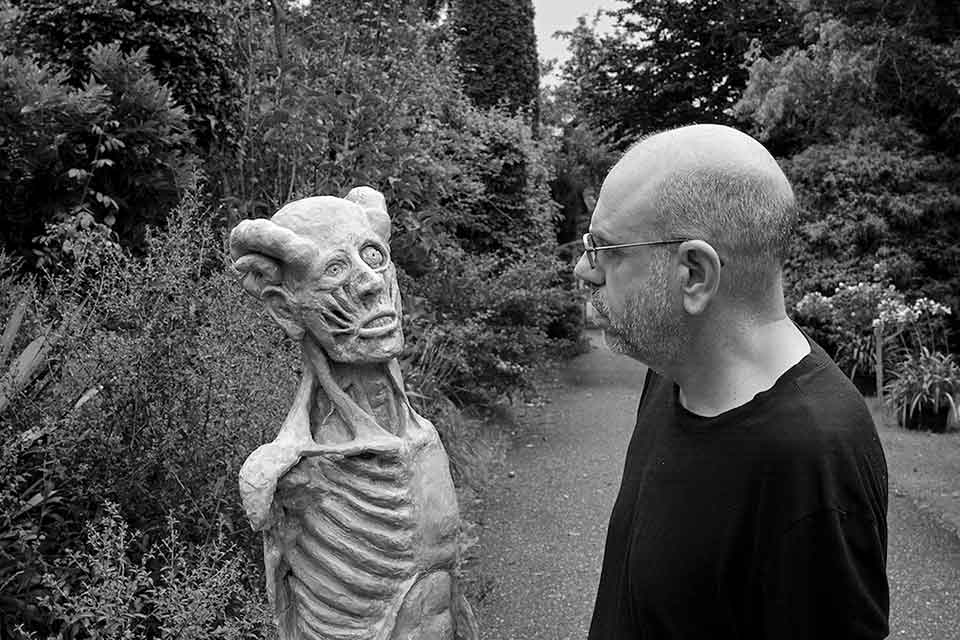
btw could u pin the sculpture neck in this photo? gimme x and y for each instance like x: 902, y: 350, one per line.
x: 370, y: 385
x: 369, y: 393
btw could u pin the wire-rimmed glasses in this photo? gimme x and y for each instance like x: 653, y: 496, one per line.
x: 590, y: 246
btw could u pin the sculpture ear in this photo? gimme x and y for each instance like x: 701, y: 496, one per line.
x: 258, y: 271
x: 281, y: 309
x: 375, y: 206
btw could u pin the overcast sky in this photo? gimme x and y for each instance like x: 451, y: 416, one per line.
x: 561, y: 15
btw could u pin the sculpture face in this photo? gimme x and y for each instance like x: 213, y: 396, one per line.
x: 348, y: 299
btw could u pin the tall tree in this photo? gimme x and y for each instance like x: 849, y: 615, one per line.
x: 672, y: 62
x: 497, y: 48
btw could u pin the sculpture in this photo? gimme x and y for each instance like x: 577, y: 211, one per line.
x: 354, y: 496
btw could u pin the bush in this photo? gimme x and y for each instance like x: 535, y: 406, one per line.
x: 115, y: 151
x: 159, y: 381
x: 489, y: 323
x: 184, y: 43
x: 173, y: 591
x: 849, y: 322
x: 925, y: 390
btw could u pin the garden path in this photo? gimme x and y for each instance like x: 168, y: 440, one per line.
x: 545, y: 517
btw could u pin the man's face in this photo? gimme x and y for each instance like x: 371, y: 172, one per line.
x: 633, y: 287
x: 349, y: 299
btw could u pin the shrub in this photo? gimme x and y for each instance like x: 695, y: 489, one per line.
x: 160, y: 380
x: 844, y: 321
x: 115, y: 151
x: 847, y: 324
x: 170, y: 590
x: 184, y: 42
x: 925, y: 390
x: 493, y: 320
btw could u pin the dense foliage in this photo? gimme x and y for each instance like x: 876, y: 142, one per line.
x: 184, y: 42
x: 865, y: 110
x: 497, y: 50
x: 671, y: 62
x: 876, y: 171
x: 140, y: 378
x: 115, y: 150
x: 154, y: 380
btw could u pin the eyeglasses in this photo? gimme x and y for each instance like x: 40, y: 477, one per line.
x: 590, y: 247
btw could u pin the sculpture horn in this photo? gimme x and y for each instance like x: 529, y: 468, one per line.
x: 375, y: 206
x: 291, y: 250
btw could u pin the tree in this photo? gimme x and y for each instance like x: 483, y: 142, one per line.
x: 866, y: 115
x: 497, y: 49
x: 671, y: 62
x: 184, y: 42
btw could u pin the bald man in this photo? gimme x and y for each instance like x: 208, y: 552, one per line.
x: 753, y: 502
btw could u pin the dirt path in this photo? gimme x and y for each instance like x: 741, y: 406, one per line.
x: 545, y: 519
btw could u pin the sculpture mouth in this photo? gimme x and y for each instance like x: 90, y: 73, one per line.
x: 379, y: 325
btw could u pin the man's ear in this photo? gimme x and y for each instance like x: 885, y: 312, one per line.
x: 280, y: 306
x: 700, y: 268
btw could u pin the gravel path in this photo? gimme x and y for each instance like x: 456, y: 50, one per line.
x: 545, y: 517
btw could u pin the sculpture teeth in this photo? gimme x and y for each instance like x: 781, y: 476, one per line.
x: 382, y: 321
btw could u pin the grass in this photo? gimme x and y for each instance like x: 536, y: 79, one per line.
x: 922, y: 465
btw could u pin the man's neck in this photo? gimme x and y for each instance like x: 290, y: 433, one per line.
x: 729, y: 370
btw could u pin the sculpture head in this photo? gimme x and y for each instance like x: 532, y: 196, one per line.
x: 322, y: 267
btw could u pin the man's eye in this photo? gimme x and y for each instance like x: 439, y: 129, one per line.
x: 372, y: 256
x: 334, y: 270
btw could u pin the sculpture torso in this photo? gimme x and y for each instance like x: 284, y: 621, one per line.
x: 355, y: 533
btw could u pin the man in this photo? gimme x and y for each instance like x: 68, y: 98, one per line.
x: 754, y: 494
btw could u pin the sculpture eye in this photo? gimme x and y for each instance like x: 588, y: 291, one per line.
x: 372, y: 256
x: 334, y: 269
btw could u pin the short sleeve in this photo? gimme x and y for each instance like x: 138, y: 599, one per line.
x: 827, y: 579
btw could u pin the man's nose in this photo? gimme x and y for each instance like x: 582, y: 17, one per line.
x: 585, y: 272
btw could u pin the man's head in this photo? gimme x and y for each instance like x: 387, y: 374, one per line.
x: 723, y: 195
x: 322, y: 266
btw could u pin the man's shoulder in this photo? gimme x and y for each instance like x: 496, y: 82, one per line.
x: 824, y: 401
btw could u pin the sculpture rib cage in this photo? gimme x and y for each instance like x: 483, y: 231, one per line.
x: 354, y: 550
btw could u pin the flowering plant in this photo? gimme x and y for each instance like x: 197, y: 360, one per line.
x: 847, y: 318
x: 917, y: 325
x: 857, y: 315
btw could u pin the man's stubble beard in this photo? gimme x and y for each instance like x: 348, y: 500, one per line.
x: 650, y: 329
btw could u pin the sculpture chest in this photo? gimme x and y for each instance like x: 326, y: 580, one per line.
x: 357, y: 534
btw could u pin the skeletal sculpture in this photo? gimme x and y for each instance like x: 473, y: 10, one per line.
x: 354, y: 496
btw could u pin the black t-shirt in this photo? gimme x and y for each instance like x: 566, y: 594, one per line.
x: 768, y: 521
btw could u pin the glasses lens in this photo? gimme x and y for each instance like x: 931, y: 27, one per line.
x: 589, y: 249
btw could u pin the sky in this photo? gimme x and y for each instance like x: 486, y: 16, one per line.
x: 561, y: 15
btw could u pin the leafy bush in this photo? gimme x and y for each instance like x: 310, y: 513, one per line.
x: 174, y: 590
x: 115, y: 151
x: 159, y: 381
x: 183, y: 41
x: 493, y: 321
x: 843, y: 322
x: 876, y: 194
x: 865, y: 110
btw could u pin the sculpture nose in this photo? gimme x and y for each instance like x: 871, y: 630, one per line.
x: 368, y: 283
